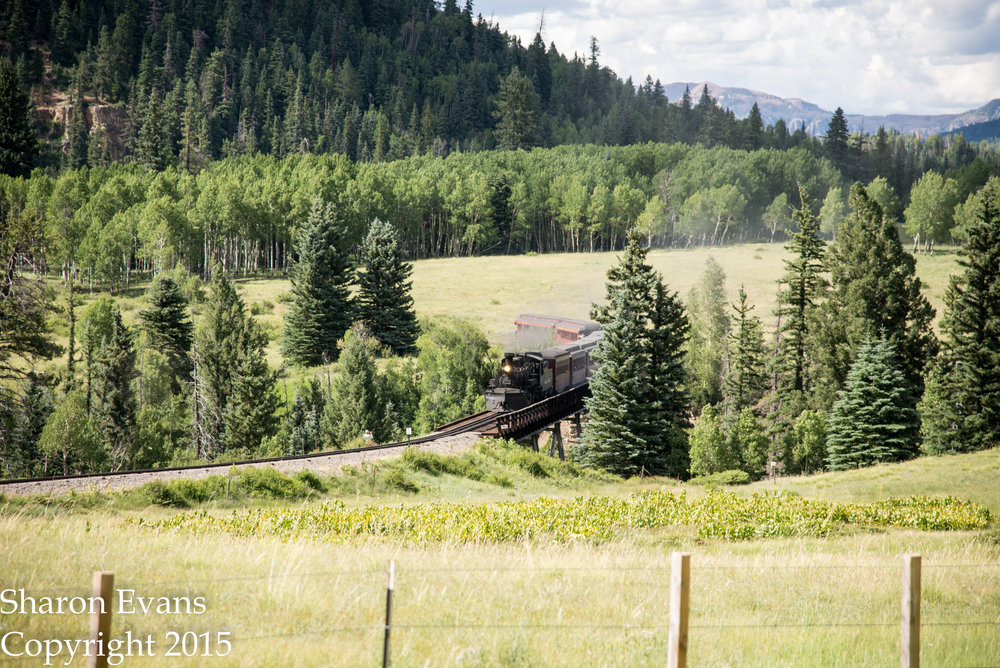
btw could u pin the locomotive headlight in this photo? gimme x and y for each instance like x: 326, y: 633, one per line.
x: 506, y: 368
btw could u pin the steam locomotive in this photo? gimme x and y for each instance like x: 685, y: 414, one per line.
x: 528, y: 377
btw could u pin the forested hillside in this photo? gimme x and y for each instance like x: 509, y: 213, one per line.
x: 172, y: 82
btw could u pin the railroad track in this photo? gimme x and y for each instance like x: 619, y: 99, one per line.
x: 484, y: 423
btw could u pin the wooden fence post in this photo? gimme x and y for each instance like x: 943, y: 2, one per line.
x: 388, y: 612
x: 680, y: 593
x: 100, y: 620
x: 910, y: 626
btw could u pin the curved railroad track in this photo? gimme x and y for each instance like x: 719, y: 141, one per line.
x: 446, y: 438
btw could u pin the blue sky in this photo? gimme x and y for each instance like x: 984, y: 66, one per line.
x: 867, y: 56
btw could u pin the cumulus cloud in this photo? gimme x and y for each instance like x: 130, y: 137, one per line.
x: 867, y: 56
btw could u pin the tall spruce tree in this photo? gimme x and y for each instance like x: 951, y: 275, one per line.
x: 20, y: 454
x: 668, y: 401
x: 801, y: 288
x: 170, y: 330
x: 875, y: 418
x: 384, y: 301
x: 836, y: 141
x: 79, y: 137
x: 357, y: 397
x: 18, y: 143
x: 321, y: 309
x: 152, y: 149
x: 636, y: 421
x: 745, y: 381
x: 961, y: 407
x: 249, y: 415
x: 115, y: 407
x: 874, y: 288
x: 233, y: 385
x: 516, y: 112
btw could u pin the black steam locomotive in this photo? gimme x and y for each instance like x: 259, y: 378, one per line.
x: 525, y: 378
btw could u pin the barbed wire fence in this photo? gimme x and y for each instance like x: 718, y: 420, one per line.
x: 909, y: 622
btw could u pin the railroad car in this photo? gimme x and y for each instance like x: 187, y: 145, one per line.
x: 528, y: 377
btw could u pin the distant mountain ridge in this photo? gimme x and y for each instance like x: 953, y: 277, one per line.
x: 795, y: 112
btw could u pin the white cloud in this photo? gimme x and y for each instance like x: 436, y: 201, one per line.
x: 867, y: 56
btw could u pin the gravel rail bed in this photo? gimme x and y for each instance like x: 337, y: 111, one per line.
x: 321, y: 463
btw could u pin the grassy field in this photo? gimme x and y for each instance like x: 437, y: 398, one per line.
x: 492, y: 291
x: 831, y: 601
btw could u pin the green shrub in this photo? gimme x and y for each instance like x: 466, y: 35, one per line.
x: 160, y: 493
x: 267, y: 483
x: 396, y: 479
x: 200, y: 491
x: 311, y: 480
x: 260, y: 308
x: 731, y: 477
x: 499, y: 480
x: 532, y: 463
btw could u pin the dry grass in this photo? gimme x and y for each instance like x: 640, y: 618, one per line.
x: 766, y: 603
x: 492, y: 291
x: 775, y: 602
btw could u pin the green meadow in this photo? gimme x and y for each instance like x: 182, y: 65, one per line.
x: 295, y: 591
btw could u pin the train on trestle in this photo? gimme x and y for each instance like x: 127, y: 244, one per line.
x: 528, y: 377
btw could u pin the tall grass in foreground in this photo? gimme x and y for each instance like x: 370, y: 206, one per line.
x: 780, y: 601
x: 801, y: 602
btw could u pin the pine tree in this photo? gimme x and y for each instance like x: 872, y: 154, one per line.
x: 384, y: 301
x: 961, y: 408
x: 114, y: 411
x: 214, y: 354
x: 153, y: 148
x: 18, y: 143
x: 875, y: 418
x: 79, y: 138
x: 21, y: 426
x: 357, y: 399
x: 874, y: 288
x: 321, y: 309
x: 613, y: 436
x: 304, y: 419
x: 25, y: 305
x: 753, y: 129
x: 668, y: 403
x: 835, y: 142
x: 170, y: 329
x: 746, y: 375
x: 516, y: 112
x: 233, y: 393
x: 636, y: 419
x: 802, y: 287
x: 249, y: 415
